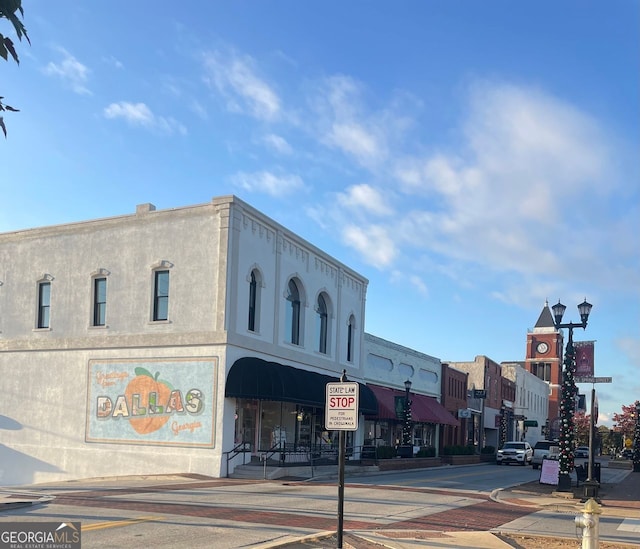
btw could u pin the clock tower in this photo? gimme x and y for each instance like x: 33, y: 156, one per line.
x: 544, y: 360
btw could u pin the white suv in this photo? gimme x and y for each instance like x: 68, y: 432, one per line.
x: 515, y: 452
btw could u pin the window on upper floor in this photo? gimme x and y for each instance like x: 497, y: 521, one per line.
x: 351, y: 326
x: 254, y: 300
x: 322, y: 327
x: 44, y: 304
x: 293, y: 312
x: 161, y: 295
x: 99, y: 301
x: 541, y: 370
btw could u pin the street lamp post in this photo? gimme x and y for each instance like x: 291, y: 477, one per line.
x: 568, y: 393
x: 407, y: 443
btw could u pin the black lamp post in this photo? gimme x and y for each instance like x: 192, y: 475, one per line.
x: 568, y: 393
x: 407, y: 443
x: 636, y: 441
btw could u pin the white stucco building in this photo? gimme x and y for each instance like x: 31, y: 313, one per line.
x: 532, y: 402
x: 160, y: 341
x: 387, y: 368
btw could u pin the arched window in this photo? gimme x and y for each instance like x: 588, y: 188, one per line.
x: 323, y: 324
x: 293, y: 312
x: 254, y: 301
x: 350, y: 338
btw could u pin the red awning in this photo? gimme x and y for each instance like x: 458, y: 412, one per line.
x: 424, y: 409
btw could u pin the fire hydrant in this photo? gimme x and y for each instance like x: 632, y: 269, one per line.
x: 589, y: 522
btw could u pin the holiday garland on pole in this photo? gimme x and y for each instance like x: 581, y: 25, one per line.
x: 636, y: 441
x: 567, y: 410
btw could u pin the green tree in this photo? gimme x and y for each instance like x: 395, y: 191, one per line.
x: 10, y: 10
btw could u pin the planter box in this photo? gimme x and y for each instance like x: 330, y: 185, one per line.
x: 461, y: 460
x: 394, y: 464
x: 487, y: 457
x: 622, y: 464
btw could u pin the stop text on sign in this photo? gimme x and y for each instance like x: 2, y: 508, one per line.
x: 341, y: 407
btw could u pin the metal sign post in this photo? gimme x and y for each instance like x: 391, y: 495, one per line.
x: 591, y: 485
x: 341, y: 414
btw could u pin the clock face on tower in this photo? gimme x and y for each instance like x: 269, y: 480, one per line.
x: 542, y: 347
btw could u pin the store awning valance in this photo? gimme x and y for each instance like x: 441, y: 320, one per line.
x: 424, y: 409
x: 254, y: 378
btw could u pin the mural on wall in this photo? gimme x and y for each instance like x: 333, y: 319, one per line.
x: 155, y: 402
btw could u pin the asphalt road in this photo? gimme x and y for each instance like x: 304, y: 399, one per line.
x: 169, y: 512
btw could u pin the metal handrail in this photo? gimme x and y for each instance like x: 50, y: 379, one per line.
x: 236, y: 451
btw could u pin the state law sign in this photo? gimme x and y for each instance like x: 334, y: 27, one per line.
x: 341, y: 409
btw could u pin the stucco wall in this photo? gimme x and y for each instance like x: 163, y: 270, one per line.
x: 209, y: 250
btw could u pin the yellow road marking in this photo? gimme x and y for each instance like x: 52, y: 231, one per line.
x: 117, y: 523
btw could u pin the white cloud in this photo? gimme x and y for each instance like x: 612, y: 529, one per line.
x: 114, y: 62
x: 235, y: 77
x: 73, y: 73
x: 278, y: 144
x: 268, y: 183
x: 138, y: 114
x: 503, y: 203
x: 343, y: 123
x: 373, y: 242
x: 365, y: 198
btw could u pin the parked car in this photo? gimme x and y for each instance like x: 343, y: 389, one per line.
x: 581, y: 452
x: 515, y: 452
x: 627, y: 453
x: 543, y: 449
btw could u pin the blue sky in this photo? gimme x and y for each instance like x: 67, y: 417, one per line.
x: 471, y: 159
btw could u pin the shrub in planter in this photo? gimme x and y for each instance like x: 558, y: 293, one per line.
x: 386, y: 452
x: 488, y: 450
x: 426, y: 452
x: 458, y: 450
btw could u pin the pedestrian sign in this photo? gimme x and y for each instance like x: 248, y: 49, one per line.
x: 341, y: 409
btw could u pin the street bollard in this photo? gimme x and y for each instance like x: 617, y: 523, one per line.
x: 589, y: 522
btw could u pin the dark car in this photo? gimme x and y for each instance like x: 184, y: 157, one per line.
x: 581, y: 452
x: 627, y: 453
x: 543, y: 450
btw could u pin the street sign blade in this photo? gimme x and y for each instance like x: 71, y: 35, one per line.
x: 591, y: 379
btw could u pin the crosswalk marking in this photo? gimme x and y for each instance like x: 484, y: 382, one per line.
x: 118, y: 523
x: 630, y: 525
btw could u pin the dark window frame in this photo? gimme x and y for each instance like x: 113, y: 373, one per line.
x: 293, y: 297
x: 99, y: 301
x: 44, y: 305
x: 253, y: 298
x: 161, y: 296
x: 323, y: 328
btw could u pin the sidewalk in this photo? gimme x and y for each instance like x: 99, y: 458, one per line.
x: 618, y: 495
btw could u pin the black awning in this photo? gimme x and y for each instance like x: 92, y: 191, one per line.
x: 259, y: 379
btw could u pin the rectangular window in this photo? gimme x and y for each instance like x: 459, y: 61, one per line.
x: 542, y: 370
x: 99, y: 301
x: 44, y: 304
x: 161, y: 296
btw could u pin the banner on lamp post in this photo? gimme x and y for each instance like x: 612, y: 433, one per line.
x: 584, y: 358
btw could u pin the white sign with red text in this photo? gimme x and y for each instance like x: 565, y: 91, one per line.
x: 341, y: 409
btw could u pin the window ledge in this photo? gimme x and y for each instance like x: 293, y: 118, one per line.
x: 156, y: 322
x: 41, y: 330
x: 92, y: 327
